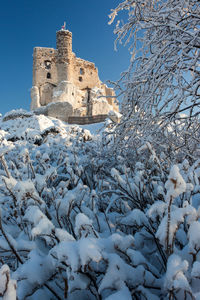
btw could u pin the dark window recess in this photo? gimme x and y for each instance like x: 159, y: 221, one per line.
x: 80, y: 78
x: 82, y: 71
x: 49, y: 75
x: 47, y: 64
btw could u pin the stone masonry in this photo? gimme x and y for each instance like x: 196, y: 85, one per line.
x: 60, y: 77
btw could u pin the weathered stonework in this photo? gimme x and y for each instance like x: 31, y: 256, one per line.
x: 59, y: 76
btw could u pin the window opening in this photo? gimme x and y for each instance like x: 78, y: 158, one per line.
x: 48, y: 75
x: 82, y: 71
x: 47, y: 64
x: 80, y: 79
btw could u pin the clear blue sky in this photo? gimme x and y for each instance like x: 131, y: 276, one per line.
x: 25, y: 24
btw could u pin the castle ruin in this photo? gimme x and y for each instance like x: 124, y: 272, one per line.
x: 64, y: 85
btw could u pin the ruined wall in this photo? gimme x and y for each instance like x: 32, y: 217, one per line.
x: 44, y: 63
x: 112, y: 99
x: 45, y: 75
x: 84, y: 74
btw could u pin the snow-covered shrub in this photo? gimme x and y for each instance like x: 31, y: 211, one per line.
x: 18, y: 113
x: 78, y: 223
x: 161, y: 86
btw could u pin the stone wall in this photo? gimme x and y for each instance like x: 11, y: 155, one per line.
x: 85, y: 74
x: 59, y: 110
x: 109, y: 96
x: 44, y: 62
x: 45, y: 74
x: 87, y: 120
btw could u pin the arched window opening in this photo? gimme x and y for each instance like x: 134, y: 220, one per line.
x: 48, y: 75
x: 80, y: 79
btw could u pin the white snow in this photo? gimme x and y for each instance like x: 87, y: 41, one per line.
x: 175, y: 184
x: 7, y: 285
x: 175, y: 277
x: 72, y: 214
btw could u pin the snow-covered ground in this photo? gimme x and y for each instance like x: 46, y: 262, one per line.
x: 22, y: 124
x: 79, y: 223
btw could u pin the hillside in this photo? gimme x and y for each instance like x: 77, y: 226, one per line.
x: 79, y: 223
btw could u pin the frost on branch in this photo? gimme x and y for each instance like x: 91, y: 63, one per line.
x: 175, y: 279
x: 7, y: 285
x: 177, y: 217
x: 175, y: 184
x: 161, y: 87
x: 194, y: 238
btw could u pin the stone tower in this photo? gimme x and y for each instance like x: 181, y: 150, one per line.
x: 64, y: 55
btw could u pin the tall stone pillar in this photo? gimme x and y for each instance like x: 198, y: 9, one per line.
x: 64, y: 56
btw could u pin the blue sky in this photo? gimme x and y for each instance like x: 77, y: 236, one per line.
x: 25, y: 24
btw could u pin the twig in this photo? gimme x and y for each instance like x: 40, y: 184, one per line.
x: 168, y: 225
x: 52, y: 291
x: 9, y: 242
x: 5, y: 165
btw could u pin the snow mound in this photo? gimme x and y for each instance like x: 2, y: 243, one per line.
x: 26, y: 126
x: 18, y: 113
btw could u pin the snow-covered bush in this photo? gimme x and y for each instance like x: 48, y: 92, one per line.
x: 78, y: 223
x: 161, y: 87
